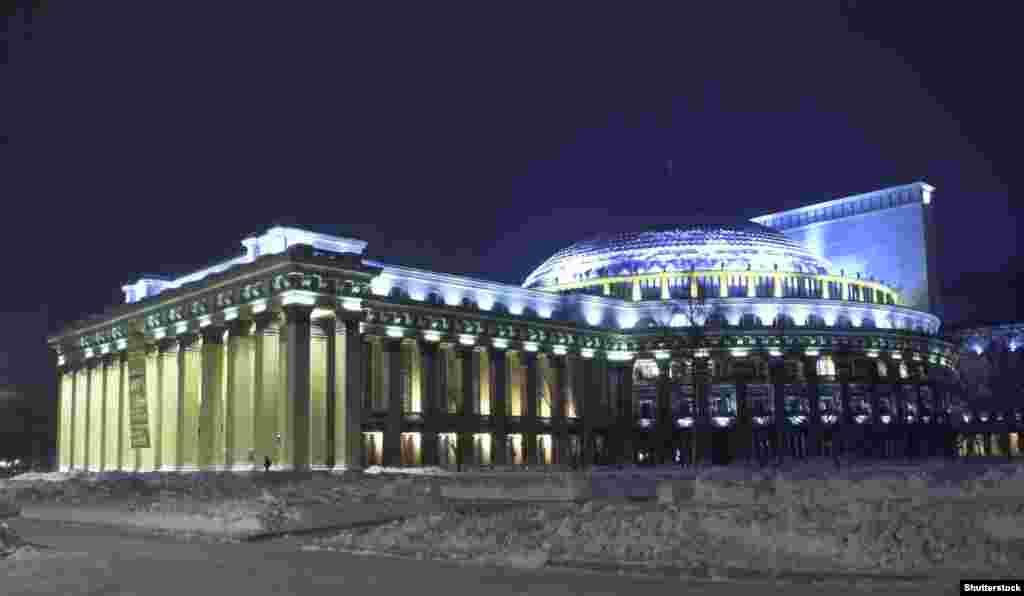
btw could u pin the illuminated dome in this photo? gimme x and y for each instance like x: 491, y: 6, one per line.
x: 744, y: 246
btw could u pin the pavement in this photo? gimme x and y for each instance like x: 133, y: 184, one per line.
x: 124, y: 561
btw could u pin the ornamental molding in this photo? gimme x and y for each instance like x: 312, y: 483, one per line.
x: 203, y: 303
x: 433, y: 281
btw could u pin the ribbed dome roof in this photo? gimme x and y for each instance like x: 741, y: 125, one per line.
x: 730, y: 246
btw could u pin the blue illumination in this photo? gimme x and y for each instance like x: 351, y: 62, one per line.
x: 736, y: 247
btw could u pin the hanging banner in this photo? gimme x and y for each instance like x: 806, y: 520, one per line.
x: 138, y: 413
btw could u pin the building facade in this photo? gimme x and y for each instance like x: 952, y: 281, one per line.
x: 991, y: 378
x: 693, y: 344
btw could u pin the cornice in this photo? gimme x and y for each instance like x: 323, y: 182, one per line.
x: 298, y: 259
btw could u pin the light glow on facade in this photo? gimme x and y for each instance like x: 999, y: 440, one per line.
x: 635, y: 307
x: 297, y: 297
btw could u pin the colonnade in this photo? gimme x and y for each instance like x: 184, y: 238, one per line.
x: 767, y: 284
x: 221, y: 397
x: 331, y: 392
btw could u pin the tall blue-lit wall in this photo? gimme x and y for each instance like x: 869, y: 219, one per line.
x: 885, y: 235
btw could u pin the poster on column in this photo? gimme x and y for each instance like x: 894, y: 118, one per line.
x: 138, y: 414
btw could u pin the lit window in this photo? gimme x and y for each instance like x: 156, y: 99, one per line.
x: 826, y: 367
x: 904, y: 372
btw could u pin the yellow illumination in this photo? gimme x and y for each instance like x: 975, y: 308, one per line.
x: 411, y: 449
x: 544, y: 447
x: 373, y: 445
x: 776, y: 282
x: 482, y: 446
x: 321, y: 313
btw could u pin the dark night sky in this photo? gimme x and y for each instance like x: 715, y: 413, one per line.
x: 151, y: 137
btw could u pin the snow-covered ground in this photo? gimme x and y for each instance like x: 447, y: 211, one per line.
x: 219, y: 503
x: 920, y: 517
x: 935, y: 515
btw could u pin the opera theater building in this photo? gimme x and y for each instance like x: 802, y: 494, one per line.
x: 800, y: 333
